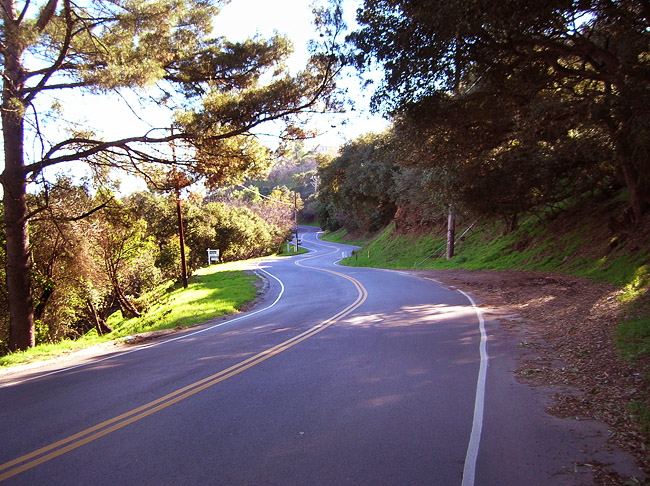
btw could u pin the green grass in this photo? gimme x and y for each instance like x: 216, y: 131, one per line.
x: 284, y: 251
x: 389, y: 250
x: 341, y: 236
x: 528, y: 248
x: 536, y: 245
x: 633, y: 338
x: 642, y: 413
x: 47, y: 351
x: 213, y: 291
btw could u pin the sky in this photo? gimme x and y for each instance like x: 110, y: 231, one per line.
x: 237, y: 21
x: 293, y: 18
x: 114, y: 117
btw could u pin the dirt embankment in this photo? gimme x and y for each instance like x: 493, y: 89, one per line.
x: 569, y: 324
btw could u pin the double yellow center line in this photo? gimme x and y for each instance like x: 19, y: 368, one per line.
x: 44, y: 454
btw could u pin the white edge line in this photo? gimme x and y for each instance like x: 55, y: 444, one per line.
x: 469, y: 469
x: 230, y: 321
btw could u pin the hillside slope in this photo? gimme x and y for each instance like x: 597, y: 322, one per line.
x: 578, y: 293
x: 578, y: 240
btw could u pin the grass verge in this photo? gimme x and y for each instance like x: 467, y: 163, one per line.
x: 285, y: 253
x: 575, y: 243
x: 633, y: 338
x: 341, y: 236
x: 213, y: 291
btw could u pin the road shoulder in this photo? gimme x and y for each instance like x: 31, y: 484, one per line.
x: 559, y: 331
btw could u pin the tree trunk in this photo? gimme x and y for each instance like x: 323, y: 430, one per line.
x: 14, y: 183
x: 451, y: 232
x: 126, y: 306
x: 637, y: 191
x: 100, y: 324
x: 21, y: 305
x: 633, y: 171
x: 39, y: 309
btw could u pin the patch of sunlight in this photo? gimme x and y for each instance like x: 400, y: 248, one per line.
x: 192, y: 295
x: 382, y: 401
x: 414, y: 316
x: 638, y: 284
x: 539, y: 301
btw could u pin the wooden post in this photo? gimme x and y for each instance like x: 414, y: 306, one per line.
x: 181, y: 234
x: 451, y: 232
x: 295, y: 216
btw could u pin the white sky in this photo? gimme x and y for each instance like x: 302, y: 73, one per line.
x: 237, y: 20
x: 244, y: 18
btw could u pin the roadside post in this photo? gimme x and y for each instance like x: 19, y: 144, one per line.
x: 213, y: 256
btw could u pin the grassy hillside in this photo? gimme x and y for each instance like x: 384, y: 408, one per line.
x: 575, y: 240
x: 213, y: 291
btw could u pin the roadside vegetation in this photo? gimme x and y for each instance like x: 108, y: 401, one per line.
x: 101, y: 262
x: 213, y: 291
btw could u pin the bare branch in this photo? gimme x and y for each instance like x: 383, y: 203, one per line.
x: 24, y: 12
x: 38, y: 128
x: 34, y: 91
x: 63, y: 52
x: 46, y: 14
x: 90, y: 212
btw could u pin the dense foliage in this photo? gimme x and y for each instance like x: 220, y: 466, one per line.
x: 357, y: 186
x: 164, y: 54
x: 505, y: 114
x: 94, y: 254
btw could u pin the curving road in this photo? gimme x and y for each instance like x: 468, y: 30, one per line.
x: 340, y: 376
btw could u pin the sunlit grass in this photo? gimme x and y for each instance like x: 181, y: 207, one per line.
x: 291, y: 251
x: 531, y: 247
x: 213, y: 291
x: 47, y: 351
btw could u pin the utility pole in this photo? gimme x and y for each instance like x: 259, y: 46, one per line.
x: 181, y: 233
x: 295, y: 217
x: 451, y: 222
x: 451, y: 232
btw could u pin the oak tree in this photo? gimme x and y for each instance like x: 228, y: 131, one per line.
x: 553, y: 78
x: 217, y: 89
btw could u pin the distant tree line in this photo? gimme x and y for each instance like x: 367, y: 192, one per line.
x: 94, y: 253
x: 500, y: 109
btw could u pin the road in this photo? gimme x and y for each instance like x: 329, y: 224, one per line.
x: 339, y: 376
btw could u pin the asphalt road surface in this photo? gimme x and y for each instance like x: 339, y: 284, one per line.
x: 339, y: 376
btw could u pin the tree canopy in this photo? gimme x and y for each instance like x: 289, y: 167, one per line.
x: 219, y: 92
x: 357, y: 186
x: 548, y: 99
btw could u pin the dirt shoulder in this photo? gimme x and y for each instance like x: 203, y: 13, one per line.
x: 569, y: 328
